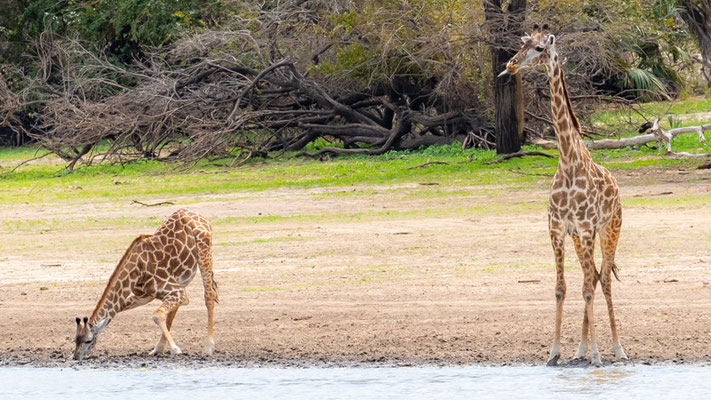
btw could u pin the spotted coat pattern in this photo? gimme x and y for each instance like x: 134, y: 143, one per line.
x: 160, y: 266
x: 584, y: 201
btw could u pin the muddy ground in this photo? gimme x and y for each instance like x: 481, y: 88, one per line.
x: 404, y: 274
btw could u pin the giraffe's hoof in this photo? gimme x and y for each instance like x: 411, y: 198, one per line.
x: 155, y: 352
x: 175, y: 350
x: 620, y: 353
x: 209, y: 348
x: 595, y: 360
x: 553, y: 361
x: 582, y: 350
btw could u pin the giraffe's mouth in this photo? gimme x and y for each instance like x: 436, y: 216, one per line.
x: 511, y: 69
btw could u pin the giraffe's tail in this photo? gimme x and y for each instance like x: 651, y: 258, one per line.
x: 615, y: 270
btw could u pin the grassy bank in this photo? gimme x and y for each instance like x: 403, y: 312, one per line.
x: 46, y: 180
x: 147, y: 179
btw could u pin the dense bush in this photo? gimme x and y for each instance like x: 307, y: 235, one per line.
x: 424, y: 63
x: 119, y: 27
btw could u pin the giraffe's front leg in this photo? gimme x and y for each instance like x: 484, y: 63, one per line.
x: 171, y: 303
x: 160, y: 346
x: 558, y: 242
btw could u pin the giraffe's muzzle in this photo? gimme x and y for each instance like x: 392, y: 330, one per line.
x: 511, y: 68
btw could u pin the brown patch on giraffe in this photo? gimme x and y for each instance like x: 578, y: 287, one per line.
x: 563, y: 124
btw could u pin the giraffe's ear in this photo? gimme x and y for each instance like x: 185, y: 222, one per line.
x: 551, y: 40
x: 525, y: 38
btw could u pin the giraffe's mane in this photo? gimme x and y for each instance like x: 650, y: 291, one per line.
x: 573, y: 118
x: 114, y: 276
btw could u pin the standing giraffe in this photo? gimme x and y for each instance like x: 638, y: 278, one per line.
x: 584, y: 200
x: 157, y: 266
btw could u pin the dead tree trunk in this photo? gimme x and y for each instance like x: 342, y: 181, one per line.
x: 505, y: 29
x: 657, y: 134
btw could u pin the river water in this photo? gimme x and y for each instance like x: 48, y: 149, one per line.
x: 471, y: 382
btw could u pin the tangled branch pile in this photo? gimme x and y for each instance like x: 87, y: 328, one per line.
x: 353, y: 77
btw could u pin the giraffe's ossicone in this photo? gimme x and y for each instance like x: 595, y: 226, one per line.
x: 584, y: 199
x: 157, y: 266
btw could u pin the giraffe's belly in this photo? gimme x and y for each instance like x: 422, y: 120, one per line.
x: 589, y: 216
x: 186, y: 276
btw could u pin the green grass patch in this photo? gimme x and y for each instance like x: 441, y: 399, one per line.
x: 145, y: 180
x: 669, y: 202
x: 41, y: 183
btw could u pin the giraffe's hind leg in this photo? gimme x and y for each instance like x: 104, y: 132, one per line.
x: 583, y: 346
x: 585, y: 255
x: 608, y: 245
x: 160, y: 346
x: 210, y: 290
x: 175, y: 298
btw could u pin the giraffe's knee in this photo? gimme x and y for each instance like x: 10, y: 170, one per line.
x: 560, y: 291
x: 210, y: 298
x: 588, y: 294
x: 605, y: 279
x: 159, y: 316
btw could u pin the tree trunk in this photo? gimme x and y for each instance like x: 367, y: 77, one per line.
x: 505, y: 29
x: 697, y: 14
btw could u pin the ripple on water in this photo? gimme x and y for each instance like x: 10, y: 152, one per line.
x: 630, y: 381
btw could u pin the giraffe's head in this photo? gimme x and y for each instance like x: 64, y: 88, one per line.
x: 536, y: 50
x: 85, y: 338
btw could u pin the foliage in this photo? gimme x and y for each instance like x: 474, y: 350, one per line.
x: 114, y: 65
x: 122, y: 27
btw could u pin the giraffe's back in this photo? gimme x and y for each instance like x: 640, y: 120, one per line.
x: 172, y: 254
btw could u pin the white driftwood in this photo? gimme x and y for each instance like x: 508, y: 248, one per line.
x: 657, y: 134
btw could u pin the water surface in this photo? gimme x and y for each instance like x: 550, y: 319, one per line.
x: 472, y: 382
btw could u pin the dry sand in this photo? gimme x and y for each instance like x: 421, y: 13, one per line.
x: 393, y: 285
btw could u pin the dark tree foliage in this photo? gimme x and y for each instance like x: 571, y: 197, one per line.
x: 191, y: 79
x: 697, y: 14
x: 120, y: 28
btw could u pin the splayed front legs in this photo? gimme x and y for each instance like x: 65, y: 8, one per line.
x: 165, y: 312
x: 160, y: 346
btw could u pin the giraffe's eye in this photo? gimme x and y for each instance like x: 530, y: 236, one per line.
x: 540, y: 49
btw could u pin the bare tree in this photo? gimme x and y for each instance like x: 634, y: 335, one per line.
x: 505, y: 27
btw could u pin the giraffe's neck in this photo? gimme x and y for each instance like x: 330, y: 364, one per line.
x: 567, y: 128
x: 106, y: 309
x: 114, y: 300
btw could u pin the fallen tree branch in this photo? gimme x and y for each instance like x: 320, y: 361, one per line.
x: 162, y: 203
x: 658, y: 134
x: 518, y: 154
x: 427, y: 164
